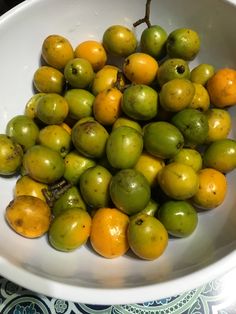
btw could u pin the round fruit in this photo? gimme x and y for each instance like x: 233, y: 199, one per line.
x: 222, y: 88
x: 162, y: 139
x: 48, y: 80
x: 221, y: 155
x: 71, y: 198
x: 27, y: 186
x: 52, y: 109
x: 29, y: 216
x: 130, y: 191
x: 140, y: 102
x: 147, y: 237
x: 119, y: 40
x: 201, y: 99
x: 140, y: 68
x: 90, y: 138
x: 80, y: 102
x: 43, y: 164
x: 212, y: 188
x: 124, y: 121
x: 57, y: 51
x: 176, y: 94
x: 109, y: 76
x: 179, y: 218
x: 193, y: 124
x: 190, y: 157
x: 79, y: 73
x: 56, y: 138
x: 75, y: 165
x: 172, y: 68
x: 11, y: 155
x: 23, y: 130
x: 124, y: 146
x: 219, y: 121
x: 70, y: 230
x: 30, y: 107
x: 201, y: 73
x: 94, y: 186
x: 178, y: 181
x: 153, y: 41
x: 109, y: 232
x: 92, y: 51
x: 183, y: 43
x: 149, y: 166
x: 107, y: 106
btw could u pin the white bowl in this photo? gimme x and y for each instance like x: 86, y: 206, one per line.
x: 83, y: 276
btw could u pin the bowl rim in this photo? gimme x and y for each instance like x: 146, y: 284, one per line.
x: 114, y: 296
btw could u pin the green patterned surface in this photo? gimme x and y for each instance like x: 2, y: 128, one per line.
x: 217, y: 296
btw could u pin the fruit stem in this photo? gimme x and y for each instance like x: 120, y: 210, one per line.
x: 146, y: 18
x: 53, y: 192
x: 118, y: 83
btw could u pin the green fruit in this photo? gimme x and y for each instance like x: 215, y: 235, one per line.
x: 11, y: 155
x: 70, y: 230
x: 140, y: 102
x: 190, y: 157
x: 176, y: 94
x: 153, y: 41
x: 69, y: 199
x: 94, y: 186
x: 179, y: 218
x: 31, y: 105
x: 172, y: 68
x: 183, y: 43
x: 202, y: 73
x: 23, y: 130
x: 122, y: 121
x: 119, y: 41
x: 79, y: 73
x: 52, y: 108
x: 193, y: 124
x: 162, y: 139
x: 43, y: 164
x: 124, y: 146
x: 147, y: 236
x: 151, y: 208
x: 75, y: 165
x: 221, y: 155
x: 56, y: 138
x: 178, y: 181
x: 80, y: 103
x: 130, y: 191
x: 90, y: 138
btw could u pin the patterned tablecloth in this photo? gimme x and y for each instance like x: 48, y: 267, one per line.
x: 217, y: 296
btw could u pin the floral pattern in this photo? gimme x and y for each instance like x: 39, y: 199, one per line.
x: 206, y: 299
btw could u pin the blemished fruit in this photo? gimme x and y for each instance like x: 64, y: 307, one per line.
x: 121, y: 142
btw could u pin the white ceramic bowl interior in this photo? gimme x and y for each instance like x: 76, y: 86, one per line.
x: 83, y: 276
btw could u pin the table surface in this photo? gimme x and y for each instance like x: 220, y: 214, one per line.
x: 217, y: 296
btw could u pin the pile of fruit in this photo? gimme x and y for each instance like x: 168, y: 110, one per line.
x: 123, y: 156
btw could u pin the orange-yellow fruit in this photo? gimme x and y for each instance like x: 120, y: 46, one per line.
x: 108, y: 235
x: 212, y: 188
x: 222, y: 88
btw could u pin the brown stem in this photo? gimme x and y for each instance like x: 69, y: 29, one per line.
x: 146, y: 18
x: 53, y: 192
x: 119, y: 82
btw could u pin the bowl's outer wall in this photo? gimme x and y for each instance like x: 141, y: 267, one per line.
x: 35, y: 263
